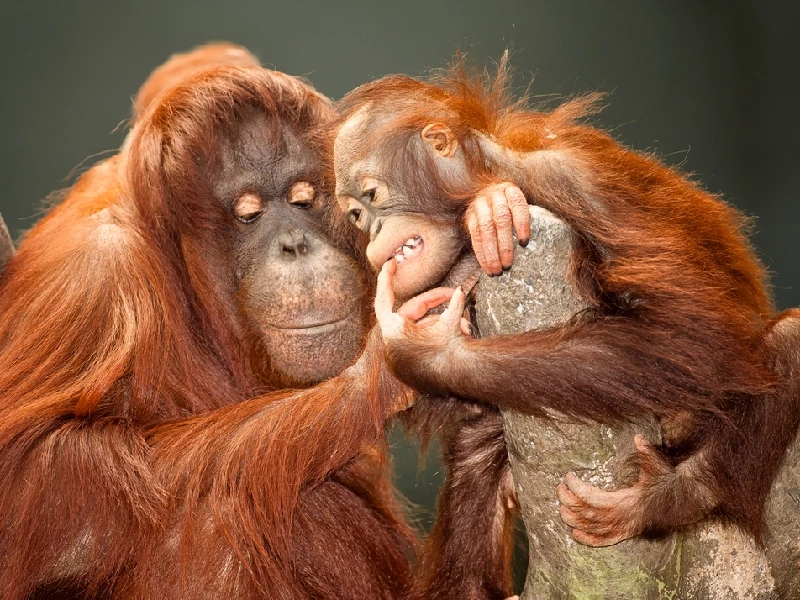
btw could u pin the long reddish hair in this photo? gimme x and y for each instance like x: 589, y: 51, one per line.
x: 124, y: 377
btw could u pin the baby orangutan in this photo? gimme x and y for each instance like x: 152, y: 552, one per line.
x: 680, y: 326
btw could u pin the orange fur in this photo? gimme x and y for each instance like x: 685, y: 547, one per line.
x: 181, y: 67
x: 139, y: 454
x: 679, y: 306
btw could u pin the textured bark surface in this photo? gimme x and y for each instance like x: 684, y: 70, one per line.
x: 708, y: 562
x: 783, y: 520
x: 6, y: 245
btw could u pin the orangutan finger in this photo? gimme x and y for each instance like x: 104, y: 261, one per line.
x: 416, y: 308
x: 566, y: 497
x: 595, y: 541
x: 503, y: 224
x: 466, y: 327
x: 451, y: 317
x: 477, y: 241
x: 384, y: 302
x: 586, y: 492
x: 520, y: 213
x: 569, y: 517
x: 488, y: 235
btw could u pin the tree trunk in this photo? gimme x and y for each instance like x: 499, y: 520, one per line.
x: 706, y: 562
x: 6, y: 245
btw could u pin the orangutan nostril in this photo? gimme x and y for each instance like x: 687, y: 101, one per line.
x: 293, y: 244
x: 354, y: 214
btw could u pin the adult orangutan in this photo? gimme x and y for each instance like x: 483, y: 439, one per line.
x: 680, y: 326
x: 147, y: 325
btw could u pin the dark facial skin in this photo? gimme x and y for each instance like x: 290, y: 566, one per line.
x: 300, y: 293
x: 424, y: 248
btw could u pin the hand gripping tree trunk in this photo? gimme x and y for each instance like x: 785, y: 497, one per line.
x: 705, y: 562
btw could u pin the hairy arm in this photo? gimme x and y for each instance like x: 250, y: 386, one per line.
x: 97, y: 351
x: 662, y: 340
x: 666, y: 331
x: 249, y: 463
x: 468, y: 553
x: 595, y: 370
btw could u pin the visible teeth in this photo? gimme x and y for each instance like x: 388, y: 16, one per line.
x: 407, y: 250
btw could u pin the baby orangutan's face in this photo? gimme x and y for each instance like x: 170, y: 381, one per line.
x: 424, y: 248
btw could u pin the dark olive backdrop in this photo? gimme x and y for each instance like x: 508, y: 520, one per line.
x: 710, y: 85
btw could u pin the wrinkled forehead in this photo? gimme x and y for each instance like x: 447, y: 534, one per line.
x: 264, y: 135
x: 351, y: 142
x: 356, y: 149
x: 260, y: 133
x: 260, y: 143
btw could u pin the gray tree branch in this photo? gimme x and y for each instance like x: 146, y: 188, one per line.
x: 704, y: 562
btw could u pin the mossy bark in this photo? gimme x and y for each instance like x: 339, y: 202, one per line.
x: 706, y: 562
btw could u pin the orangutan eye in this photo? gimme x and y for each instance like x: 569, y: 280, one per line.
x: 369, y: 195
x: 248, y: 207
x: 301, y: 195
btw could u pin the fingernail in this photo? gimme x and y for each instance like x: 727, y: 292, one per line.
x: 524, y: 243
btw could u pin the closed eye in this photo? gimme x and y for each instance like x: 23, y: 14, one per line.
x: 250, y: 217
x: 301, y: 195
x: 369, y: 196
x: 248, y: 207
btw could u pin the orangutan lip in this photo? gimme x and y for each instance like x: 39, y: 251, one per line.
x: 411, y: 248
x: 314, y: 329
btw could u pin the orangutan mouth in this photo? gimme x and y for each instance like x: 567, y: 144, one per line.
x: 313, y: 328
x: 410, y: 249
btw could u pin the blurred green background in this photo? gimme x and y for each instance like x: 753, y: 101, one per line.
x: 708, y: 85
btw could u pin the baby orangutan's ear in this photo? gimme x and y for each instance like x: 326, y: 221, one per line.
x: 440, y: 138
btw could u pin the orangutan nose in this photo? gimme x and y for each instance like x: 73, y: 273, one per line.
x: 293, y: 243
x: 354, y: 215
x: 359, y: 215
x: 375, y: 229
